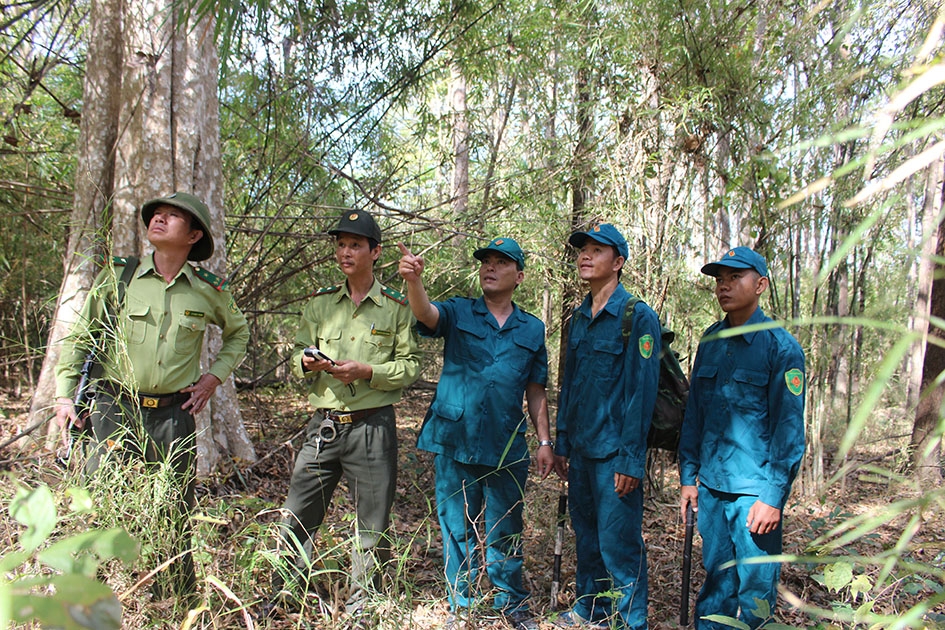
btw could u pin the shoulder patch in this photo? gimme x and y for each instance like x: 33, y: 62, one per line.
x: 119, y: 261
x: 397, y: 296
x: 794, y: 378
x: 215, y: 281
x: 326, y: 290
x: 646, y: 346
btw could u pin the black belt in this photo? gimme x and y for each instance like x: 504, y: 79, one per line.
x: 148, y: 401
x: 347, y: 417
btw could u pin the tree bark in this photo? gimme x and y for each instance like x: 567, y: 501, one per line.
x: 167, y: 124
x: 460, y: 192
x: 92, y: 193
x: 927, y: 430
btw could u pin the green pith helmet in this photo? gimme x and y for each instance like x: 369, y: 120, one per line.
x: 202, y: 249
x: 357, y: 222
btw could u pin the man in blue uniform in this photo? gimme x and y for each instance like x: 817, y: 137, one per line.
x: 607, y: 397
x: 494, y: 353
x: 742, y: 441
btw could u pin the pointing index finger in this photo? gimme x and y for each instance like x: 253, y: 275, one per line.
x: 403, y: 250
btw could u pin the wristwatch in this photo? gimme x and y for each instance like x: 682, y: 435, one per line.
x: 546, y: 443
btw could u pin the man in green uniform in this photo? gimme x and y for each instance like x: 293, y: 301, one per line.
x: 151, y: 377
x: 366, y: 331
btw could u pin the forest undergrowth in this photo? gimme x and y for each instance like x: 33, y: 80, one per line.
x: 237, y: 507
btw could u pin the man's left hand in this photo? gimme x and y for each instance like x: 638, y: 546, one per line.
x: 200, y: 393
x: 762, y: 518
x: 546, y: 461
x: 349, y: 371
x: 624, y: 484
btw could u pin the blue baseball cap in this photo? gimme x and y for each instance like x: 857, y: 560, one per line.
x: 505, y: 246
x: 739, y: 258
x: 604, y: 233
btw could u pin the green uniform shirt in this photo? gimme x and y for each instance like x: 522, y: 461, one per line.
x: 161, y: 328
x: 378, y: 332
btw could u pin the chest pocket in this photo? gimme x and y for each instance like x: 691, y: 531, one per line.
x: 522, y: 352
x: 137, y: 316
x: 750, y: 388
x: 471, y: 347
x: 381, y: 345
x: 190, y: 331
x: 607, y: 354
x: 329, y: 341
x: 706, y: 375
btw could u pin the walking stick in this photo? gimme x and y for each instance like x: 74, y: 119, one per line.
x: 559, y: 543
x: 686, y: 566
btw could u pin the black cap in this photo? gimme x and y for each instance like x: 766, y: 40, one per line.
x: 202, y: 249
x: 357, y: 222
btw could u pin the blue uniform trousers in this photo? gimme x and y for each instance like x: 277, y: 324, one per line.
x: 725, y: 538
x: 610, y: 551
x: 470, y: 497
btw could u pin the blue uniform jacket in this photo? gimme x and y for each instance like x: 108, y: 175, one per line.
x: 744, y: 426
x: 477, y: 413
x: 609, y: 389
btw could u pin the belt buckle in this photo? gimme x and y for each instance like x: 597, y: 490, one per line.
x: 149, y: 402
x: 342, y: 418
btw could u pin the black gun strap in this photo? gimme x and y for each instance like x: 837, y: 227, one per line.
x: 131, y: 263
x: 111, y: 311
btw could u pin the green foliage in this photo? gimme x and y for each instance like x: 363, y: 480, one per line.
x: 53, y: 581
x: 41, y: 64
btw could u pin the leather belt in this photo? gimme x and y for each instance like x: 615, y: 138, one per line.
x: 148, y: 401
x: 168, y: 400
x: 347, y: 417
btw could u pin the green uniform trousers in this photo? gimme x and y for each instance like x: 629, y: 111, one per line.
x: 169, y: 436
x: 365, y: 452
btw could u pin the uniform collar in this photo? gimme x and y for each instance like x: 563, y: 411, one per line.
x: 480, y: 308
x: 146, y: 266
x: 373, y: 294
x: 756, y: 318
x: 618, y: 297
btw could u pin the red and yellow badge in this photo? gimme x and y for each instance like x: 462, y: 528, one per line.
x: 646, y: 346
x: 795, y: 381
x: 353, y: 216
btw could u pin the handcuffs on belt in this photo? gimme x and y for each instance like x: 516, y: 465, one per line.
x: 326, y: 430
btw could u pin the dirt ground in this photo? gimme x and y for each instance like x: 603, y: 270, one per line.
x: 274, y: 418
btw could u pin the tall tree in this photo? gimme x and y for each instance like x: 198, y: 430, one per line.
x: 926, y: 440
x: 158, y: 70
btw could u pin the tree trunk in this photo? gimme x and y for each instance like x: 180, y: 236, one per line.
x: 924, y: 269
x: 580, y: 191
x: 92, y: 192
x: 460, y: 192
x: 927, y: 430
x: 168, y: 140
